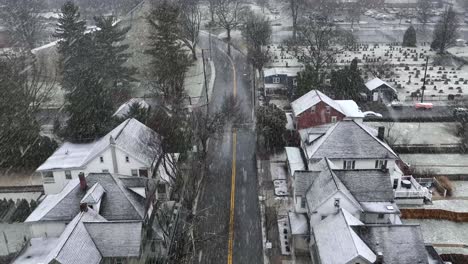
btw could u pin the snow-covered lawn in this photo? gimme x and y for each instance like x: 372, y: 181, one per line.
x: 441, y: 164
x: 420, y: 133
x: 37, y: 251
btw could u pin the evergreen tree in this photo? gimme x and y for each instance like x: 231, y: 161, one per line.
x: 409, y: 38
x: 169, y: 59
x: 88, y: 95
x: 111, y: 56
x: 70, y: 32
x: 271, y: 125
x: 306, y: 81
x: 445, y: 31
x: 347, y: 83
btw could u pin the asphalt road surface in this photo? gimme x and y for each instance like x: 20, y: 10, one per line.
x: 230, y: 231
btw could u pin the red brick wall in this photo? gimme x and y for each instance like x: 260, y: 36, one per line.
x: 308, y: 119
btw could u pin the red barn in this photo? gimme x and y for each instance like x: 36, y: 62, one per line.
x: 315, y: 108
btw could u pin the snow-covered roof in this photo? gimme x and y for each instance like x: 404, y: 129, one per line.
x: 376, y: 83
x: 120, y: 202
x: 123, y: 110
x: 310, y: 99
x: 295, y: 161
x: 289, y: 121
x: 290, y: 72
x: 131, y: 136
x: 345, y: 139
x: 298, y: 223
x: 348, y: 108
x: 94, y: 194
x: 338, y: 243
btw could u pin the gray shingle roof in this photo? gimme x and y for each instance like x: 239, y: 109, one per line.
x: 367, y: 185
x: 402, y: 244
x: 303, y: 180
x: 325, y: 184
x: 116, y: 239
x: 118, y: 203
x: 346, y: 139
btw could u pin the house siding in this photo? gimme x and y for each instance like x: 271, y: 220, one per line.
x: 286, y: 81
x: 95, y: 165
x: 319, y: 117
x: 328, y: 207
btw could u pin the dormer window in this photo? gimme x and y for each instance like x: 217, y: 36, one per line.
x: 101, y: 159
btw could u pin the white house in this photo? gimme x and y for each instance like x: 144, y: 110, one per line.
x: 379, y: 90
x: 130, y: 149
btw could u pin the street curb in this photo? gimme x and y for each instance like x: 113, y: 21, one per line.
x: 262, y: 211
x: 212, y: 79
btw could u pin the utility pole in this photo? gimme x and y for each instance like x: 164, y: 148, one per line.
x: 424, y: 80
x: 206, y: 86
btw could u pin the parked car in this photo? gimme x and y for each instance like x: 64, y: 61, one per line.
x: 423, y: 106
x: 460, y: 113
x: 396, y: 104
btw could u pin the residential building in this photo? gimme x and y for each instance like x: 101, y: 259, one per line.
x: 124, y: 109
x: 280, y: 80
x: 95, y: 219
x: 131, y: 149
x: 114, y: 198
x: 381, y: 91
x: 315, y: 108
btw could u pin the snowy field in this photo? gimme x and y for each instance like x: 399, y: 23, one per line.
x: 441, y: 164
x: 420, y: 133
x: 443, y: 232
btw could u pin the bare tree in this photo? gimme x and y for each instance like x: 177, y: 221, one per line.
x: 446, y: 31
x: 424, y: 11
x: 22, y: 20
x: 320, y: 41
x: 296, y: 7
x: 190, y: 19
x: 355, y: 12
x: 257, y: 32
x: 379, y: 68
x: 212, y: 9
x: 228, y: 12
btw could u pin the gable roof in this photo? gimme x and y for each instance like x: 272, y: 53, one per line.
x: 367, y: 185
x: 337, y: 242
x: 118, y: 202
x: 376, y: 83
x: 89, y: 238
x: 131, y: 136
x: 325, y: 184
x: 345, y: 139
x: 401, y: 244
x: 294, y: 158
x: 312, y: 98
x: 303, y: 180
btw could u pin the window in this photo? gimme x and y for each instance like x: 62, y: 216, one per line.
x: 333, y: 119
x: 381, y: 216
x: 48, y: 177
x: 118, y: 261
x: 134, y: 172
x: 127, y: 159
x: 101, y: 159
x: 349, y: 164
x: 295, y: 81
x: 312, y: 109
x: 105, y: 171
x: 379, y: 164
x: 328, y: 109
x: 276, y: 79
x: 143, y: 172
x: 161, y: 188
x: 68, y: 175
x: 303, y: 202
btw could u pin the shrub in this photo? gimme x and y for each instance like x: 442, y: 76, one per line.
x: 446, y: 184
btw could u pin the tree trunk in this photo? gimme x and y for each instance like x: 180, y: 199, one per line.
x: 228, y: 39
x: 194, y: 52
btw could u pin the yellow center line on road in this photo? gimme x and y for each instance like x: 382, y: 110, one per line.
x: 233, y: 176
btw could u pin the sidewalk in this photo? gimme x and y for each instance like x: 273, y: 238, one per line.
x: 195, y: 82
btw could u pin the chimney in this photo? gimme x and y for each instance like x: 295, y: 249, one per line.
x: 83, y: 207
x: 381, y: 133
x: 83, y: 184
x: 379, y: 259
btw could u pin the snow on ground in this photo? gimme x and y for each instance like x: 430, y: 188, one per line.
x: 281, y: 187
x: 460, y: 188
x: 441, y: 164
x: 284, y: 234
x: 442, y: 232
x: 420, y: 133
x: 460, y: 206
x: 37, y: 251
x: 278, y: 170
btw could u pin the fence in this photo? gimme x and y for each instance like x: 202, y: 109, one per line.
x: 439, y: 214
